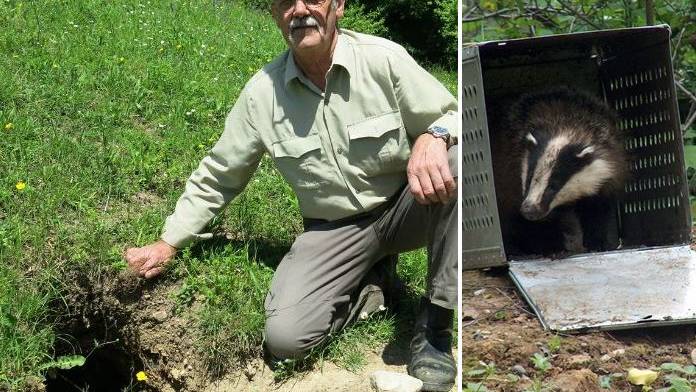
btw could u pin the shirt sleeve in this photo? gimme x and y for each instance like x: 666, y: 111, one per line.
x: 220, y: 176
x: 423, y: 101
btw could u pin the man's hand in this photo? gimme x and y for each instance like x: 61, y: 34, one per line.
x: 428, y: 171
x: 150, y: 260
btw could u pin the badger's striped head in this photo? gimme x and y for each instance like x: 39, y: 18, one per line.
x: 559, y: 168
x: 570, y: 148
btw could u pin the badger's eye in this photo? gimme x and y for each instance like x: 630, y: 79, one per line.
x: 531, y: 140
x: 586, y: 152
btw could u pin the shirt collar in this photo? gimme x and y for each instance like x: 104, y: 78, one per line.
x: 291, y: 70
x: 343, y: 55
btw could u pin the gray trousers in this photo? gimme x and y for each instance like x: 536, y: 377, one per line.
x: 312, y: 292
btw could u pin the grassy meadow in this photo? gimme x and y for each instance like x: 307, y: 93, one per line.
x: 105, y: 109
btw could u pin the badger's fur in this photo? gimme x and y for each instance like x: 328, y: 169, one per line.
x: 559, y: 165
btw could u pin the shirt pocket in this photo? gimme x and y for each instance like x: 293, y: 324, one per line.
x: 379, y: 144
x: 300, y: 161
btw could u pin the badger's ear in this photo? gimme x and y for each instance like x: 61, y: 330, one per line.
x: 530, y: 138
x: 586, y: 151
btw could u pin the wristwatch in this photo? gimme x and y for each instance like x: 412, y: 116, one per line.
x: 442, y: 133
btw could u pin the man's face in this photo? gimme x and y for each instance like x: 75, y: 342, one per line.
x: 307, y: 24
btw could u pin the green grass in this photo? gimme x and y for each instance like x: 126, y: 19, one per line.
x: 111, y: 106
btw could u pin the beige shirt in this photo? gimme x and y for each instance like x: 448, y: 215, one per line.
x: 344, y: 151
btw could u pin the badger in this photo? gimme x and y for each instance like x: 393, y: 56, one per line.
x: 559, y: 167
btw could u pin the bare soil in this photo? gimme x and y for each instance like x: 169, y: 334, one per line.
x: 499, y: 327
x: 329, y: 378
x: 128, y: 325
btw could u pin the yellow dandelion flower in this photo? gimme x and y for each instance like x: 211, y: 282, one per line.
x: 141, y: 376
x: 178, y: 46
x: 9, y: 126
x: 20, y: 185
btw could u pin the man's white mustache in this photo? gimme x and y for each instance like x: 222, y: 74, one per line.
x: 306, y: 21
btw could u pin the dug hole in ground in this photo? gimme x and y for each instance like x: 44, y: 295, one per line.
x: 136, y: 338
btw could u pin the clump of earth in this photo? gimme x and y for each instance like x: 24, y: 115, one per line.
x: 499, y: 329
x: 124, y: 325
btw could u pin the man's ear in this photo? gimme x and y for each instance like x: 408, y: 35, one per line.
x: 275, y: 13
x: 340, y: 8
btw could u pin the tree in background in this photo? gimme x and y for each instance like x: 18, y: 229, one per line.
x: 499, y: 19
x: 427, y: 28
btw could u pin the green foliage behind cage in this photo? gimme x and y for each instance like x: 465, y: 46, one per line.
x: 505, y: 19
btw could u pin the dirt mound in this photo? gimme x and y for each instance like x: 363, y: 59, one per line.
x: 500, y: 329
x: 125, y: 325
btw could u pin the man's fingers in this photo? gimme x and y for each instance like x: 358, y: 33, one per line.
x: 151, y: 260
x: 439, y: 186
x: 433, y: 184
x: 427, y: 186
x: 153, y: 272
x: 135, y: 257
x: 450, y: 182
x: 150, y: 264
x: 416, y: 190
x: 129, y: 254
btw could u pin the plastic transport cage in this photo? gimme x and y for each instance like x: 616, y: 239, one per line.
x: 651, y: 280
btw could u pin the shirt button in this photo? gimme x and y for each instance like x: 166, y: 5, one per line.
x: 339, y: 150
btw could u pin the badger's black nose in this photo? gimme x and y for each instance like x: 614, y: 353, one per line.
x: 532, y: 211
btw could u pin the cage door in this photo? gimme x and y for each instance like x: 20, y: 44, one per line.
x: 612, y: 290
x: 482, y: 244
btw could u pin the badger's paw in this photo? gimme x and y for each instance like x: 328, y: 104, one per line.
x: 572, y: 242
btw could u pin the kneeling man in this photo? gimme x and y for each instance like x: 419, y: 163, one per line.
x: 362, y: 134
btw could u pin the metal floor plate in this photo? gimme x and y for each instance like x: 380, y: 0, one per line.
x: 614, y: 290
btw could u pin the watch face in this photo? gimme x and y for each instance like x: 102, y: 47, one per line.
x: 439, y: 131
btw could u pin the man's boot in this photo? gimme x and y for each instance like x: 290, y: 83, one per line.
x: 431, y: 348
x: 388, y: 280
x: 381, y: 288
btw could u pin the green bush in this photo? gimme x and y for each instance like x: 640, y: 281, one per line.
x: 446, y: 11
x: 358, y: 18
x: 427, y: 28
